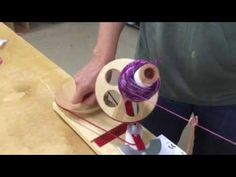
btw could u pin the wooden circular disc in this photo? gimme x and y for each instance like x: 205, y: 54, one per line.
x: 119, y: 112
x: 64, y: 97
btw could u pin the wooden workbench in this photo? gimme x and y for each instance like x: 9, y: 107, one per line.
x: 28, y: 124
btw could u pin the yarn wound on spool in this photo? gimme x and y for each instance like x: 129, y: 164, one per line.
x: 130, y: 89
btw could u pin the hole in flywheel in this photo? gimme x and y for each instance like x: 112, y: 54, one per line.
x: 112, y: 76
x: 111, y: 98
x: 132, y: 108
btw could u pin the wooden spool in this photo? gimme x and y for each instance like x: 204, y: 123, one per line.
x: 147, y: 75
x: 118, y: 112
x: 64, y: 97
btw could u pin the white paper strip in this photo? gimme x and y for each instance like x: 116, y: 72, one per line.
x: 2, y: 42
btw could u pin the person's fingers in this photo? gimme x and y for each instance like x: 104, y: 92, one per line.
x: 90, y: 100
x: 79, y: 94
x: 193, y: 121
x: 77, y: 98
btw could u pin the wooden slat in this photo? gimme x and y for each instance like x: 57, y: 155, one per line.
x: 89, y: 132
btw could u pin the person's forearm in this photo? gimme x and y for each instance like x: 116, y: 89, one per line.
x: 107, y: 41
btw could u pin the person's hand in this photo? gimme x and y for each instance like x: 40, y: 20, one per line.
x: 85, y: 82
x: 103, y: 52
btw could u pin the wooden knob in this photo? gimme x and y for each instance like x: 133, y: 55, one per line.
x: 146, y: 75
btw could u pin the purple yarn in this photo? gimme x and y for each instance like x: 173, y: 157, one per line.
x: 129, y: 89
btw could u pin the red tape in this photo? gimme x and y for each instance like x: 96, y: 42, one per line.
x: 137, y: 139
x: 129, y: 108
x: 139, y: 142
x: 109, y: 136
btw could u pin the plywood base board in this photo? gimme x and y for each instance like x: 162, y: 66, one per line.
x: 89, y: 132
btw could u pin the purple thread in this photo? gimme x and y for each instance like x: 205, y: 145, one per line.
x: 157, y: 62
x: 199, y: 126
x: 129, y: 89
